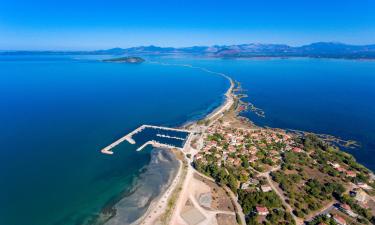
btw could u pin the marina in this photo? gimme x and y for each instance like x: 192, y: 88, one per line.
x: 160, y: 137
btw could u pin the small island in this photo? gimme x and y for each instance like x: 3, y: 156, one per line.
x: 127, y: 59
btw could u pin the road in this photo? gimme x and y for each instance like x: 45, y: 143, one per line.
x: 326, y: 209
x: 281, y: 195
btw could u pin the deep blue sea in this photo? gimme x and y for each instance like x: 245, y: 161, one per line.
x: 57, y: 112
x: 328, y: 96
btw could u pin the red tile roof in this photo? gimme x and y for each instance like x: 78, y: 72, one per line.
x: 261, y: 209
x: 345, y: 206
x: 339, y: 219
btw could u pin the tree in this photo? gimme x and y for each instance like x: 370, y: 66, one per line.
x: 245, y: 163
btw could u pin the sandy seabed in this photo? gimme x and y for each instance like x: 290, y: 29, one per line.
x: 151, y: 184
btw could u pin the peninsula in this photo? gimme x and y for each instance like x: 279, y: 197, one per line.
x: 234, y: 172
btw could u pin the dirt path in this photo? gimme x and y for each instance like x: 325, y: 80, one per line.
x: 281, y: 195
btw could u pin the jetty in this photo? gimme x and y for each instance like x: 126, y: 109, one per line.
x: 156, y: 144
x: 167, y: 136
x: 129, y: 138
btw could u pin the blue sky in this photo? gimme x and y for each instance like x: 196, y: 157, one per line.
x: 74, y: 24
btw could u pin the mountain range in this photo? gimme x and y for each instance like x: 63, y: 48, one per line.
x: 318, y: 50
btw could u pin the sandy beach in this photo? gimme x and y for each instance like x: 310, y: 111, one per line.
x: 148, y: 207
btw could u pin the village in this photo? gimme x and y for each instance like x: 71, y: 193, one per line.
x: 282, y: 179
x: 234, y: 172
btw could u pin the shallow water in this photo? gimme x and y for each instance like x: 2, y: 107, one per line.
x: 151, y: 183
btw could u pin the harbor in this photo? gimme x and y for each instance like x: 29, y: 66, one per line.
x: 165, y: 137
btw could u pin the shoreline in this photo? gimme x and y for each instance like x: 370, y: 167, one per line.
x: 154, y: 213
x: 149, y: 187
x: 229, y: 99
x: 162, y: 197
x: 158, y: 198
x: 226, y: 104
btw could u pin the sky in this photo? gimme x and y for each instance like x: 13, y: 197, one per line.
x: 88, y: 25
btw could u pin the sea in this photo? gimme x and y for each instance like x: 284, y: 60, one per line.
x: 57, y: 112
x: 323, y: 96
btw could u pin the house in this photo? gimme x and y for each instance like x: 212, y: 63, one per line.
x: 341, y: 169
x: 213, y: 143
x: 335, y: 165
x: 231, y: 148
x: 350, y: 173
x: 364, y: 186
x: 245, y: 185
x: 253, y: 159
x: 253, y: 150
x: 346, y: 209
x: 198, y: 156
x: 237, y: 162
x: 233, y: 141
x: 339, y: 220
x: 230, y: 160
x: 245, y: 173
x: 297, y: 150
x: 266, y: 188
x: 262, y: 211
x: 253, y: 181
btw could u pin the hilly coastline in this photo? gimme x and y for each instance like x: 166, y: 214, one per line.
x: 314, y: 50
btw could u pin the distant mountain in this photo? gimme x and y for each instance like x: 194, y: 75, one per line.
x: 338, y: 49
x: 319, y: 50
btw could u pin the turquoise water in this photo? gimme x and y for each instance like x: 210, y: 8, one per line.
x: 329, y: 96
x: 58, y: 112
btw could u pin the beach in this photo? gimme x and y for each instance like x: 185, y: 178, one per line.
x: 147, y: 206
x: 183, y: 181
